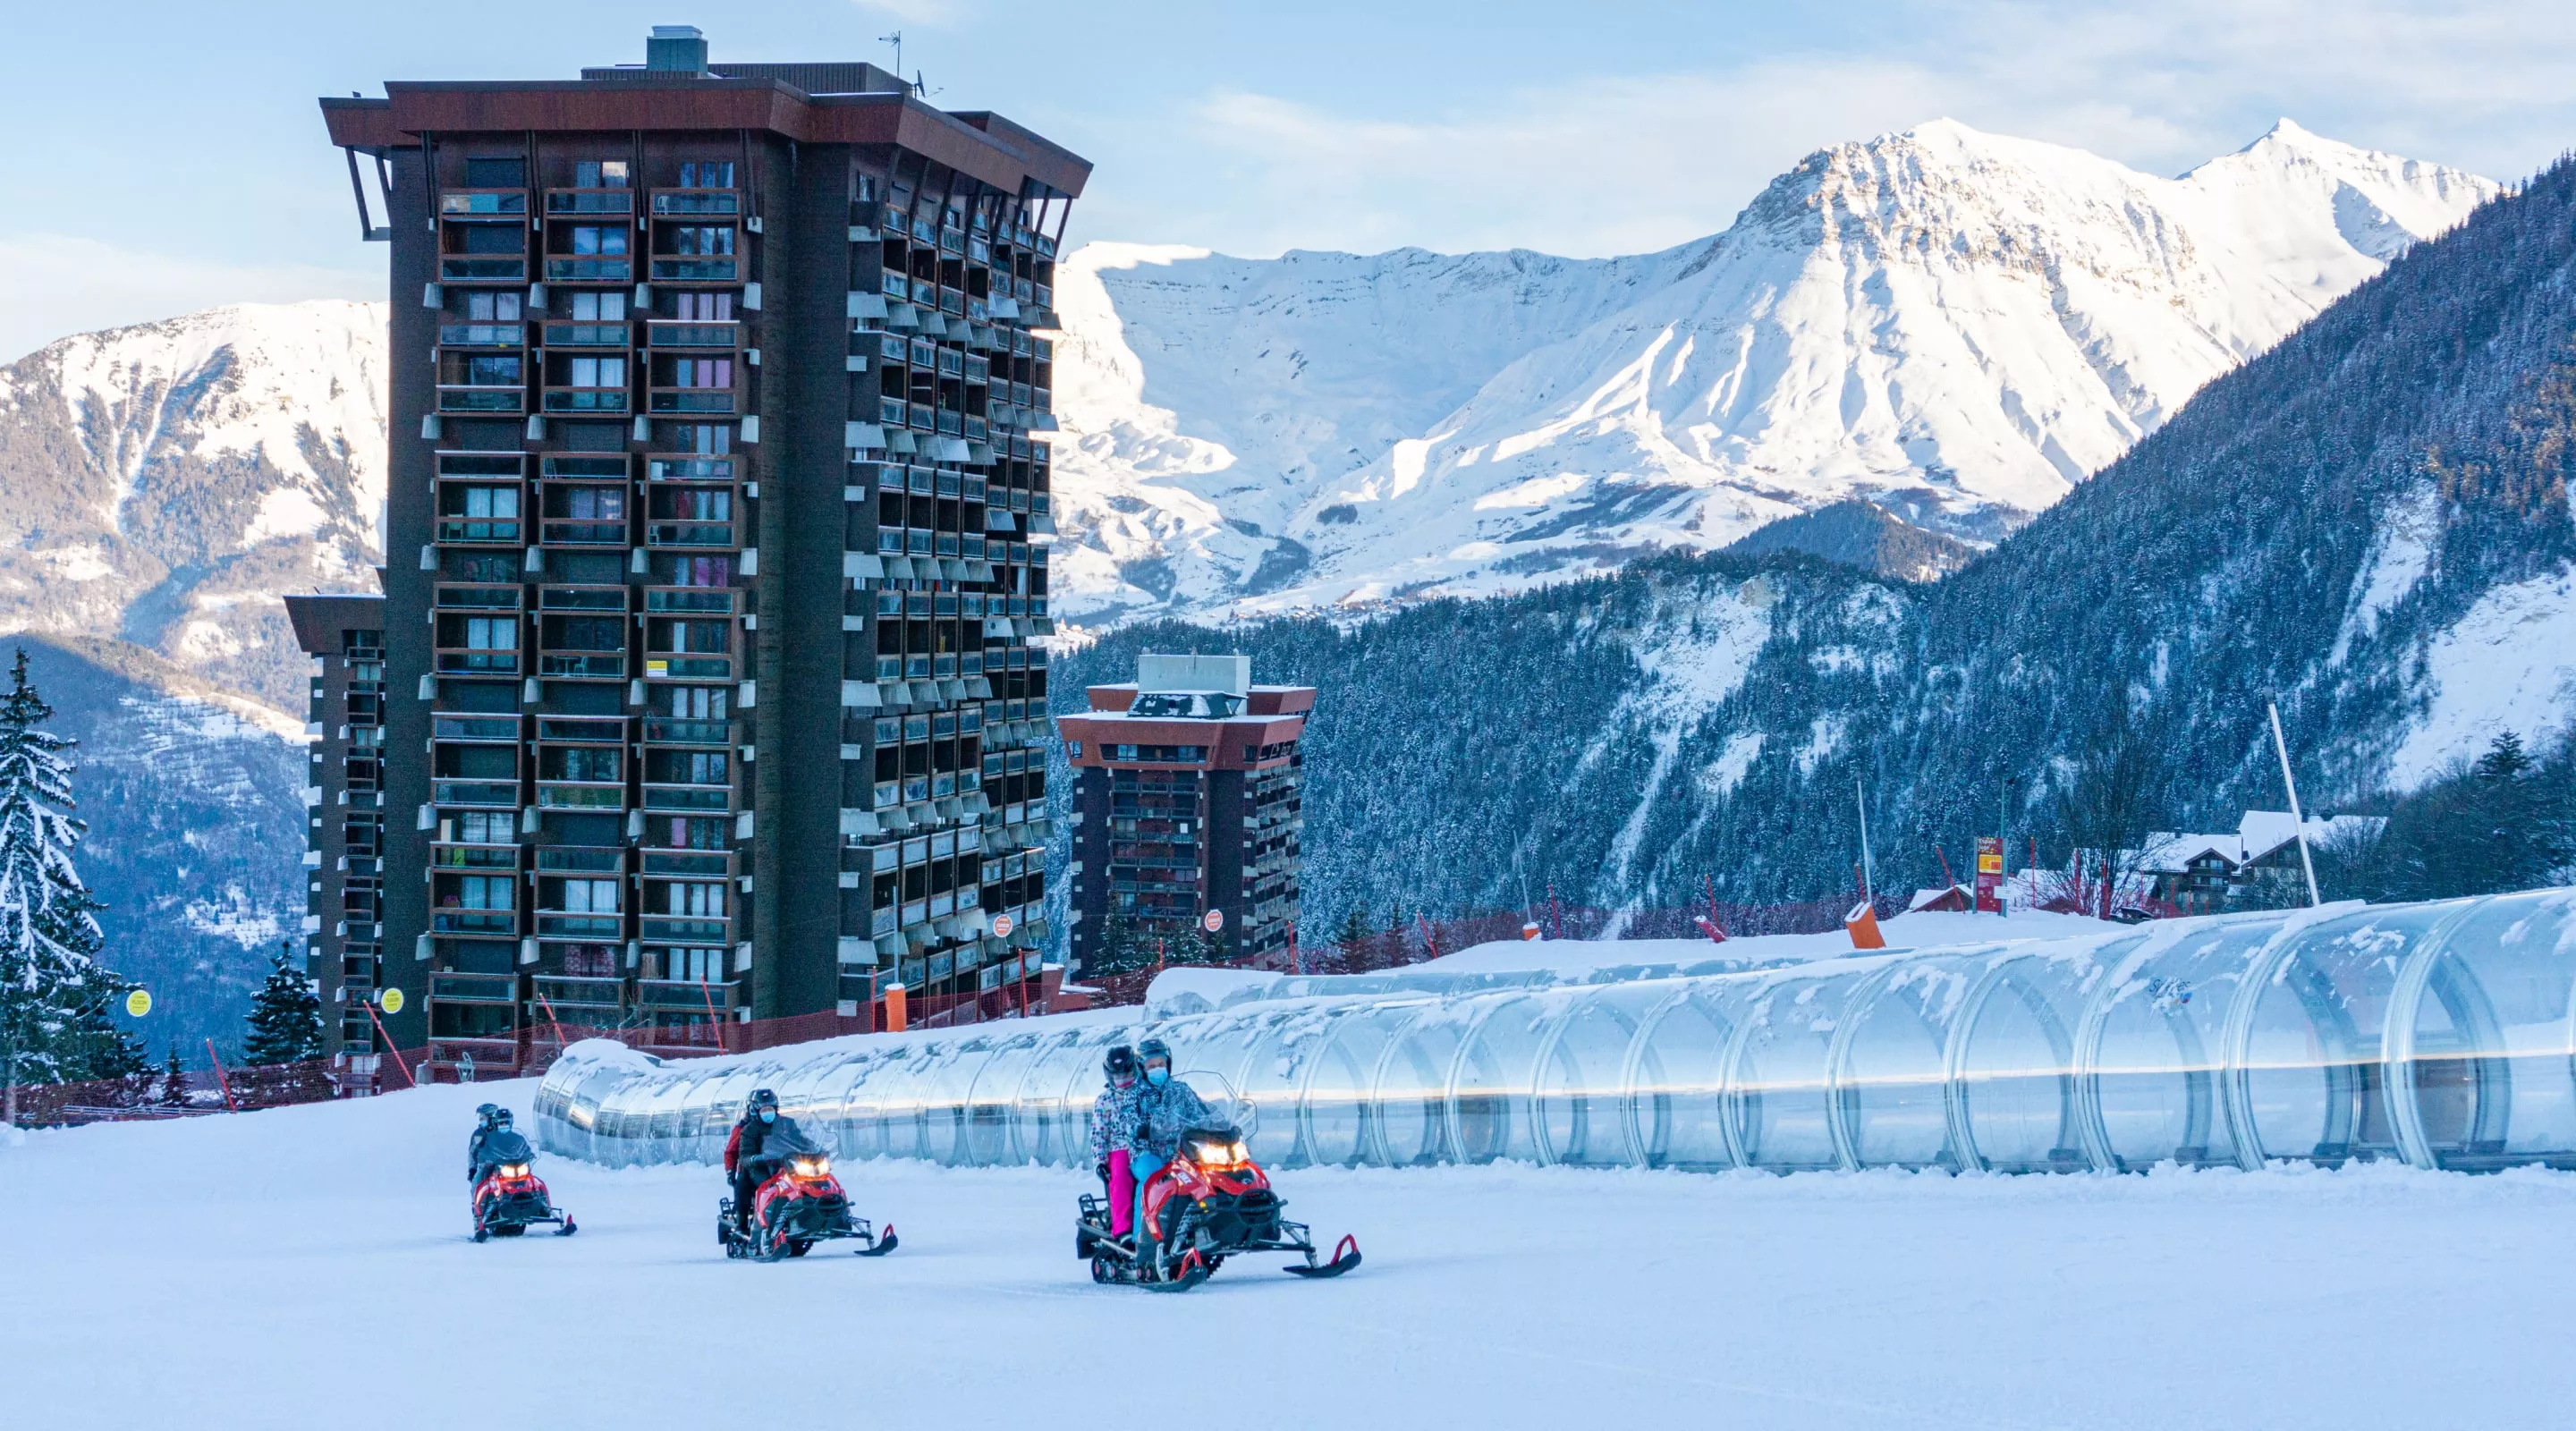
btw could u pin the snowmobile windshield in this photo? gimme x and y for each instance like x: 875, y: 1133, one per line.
x: 788, y: 1141
x: 506, y: 1147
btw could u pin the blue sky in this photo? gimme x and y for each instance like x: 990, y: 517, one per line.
x: 171, y: 156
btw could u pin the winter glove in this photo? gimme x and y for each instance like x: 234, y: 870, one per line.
x: 1101, y: 1171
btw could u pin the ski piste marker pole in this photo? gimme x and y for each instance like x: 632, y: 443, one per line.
x: 710, y: 996
x: 549, y: 1007
x: 222, y: 1082
x: 408, y: 1080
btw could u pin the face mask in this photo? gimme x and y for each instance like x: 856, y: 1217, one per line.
x: 1125, y: 1080
x: 1158, y: 1076
x: 768, y: 1115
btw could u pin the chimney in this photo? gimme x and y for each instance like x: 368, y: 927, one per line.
x: 681, y: 48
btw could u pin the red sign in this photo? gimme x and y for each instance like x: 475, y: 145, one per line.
x: 1990, y: 874
x: 1001, y: 926
x: 1215, y: 920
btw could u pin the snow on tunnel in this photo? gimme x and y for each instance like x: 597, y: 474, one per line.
x: 2438, y: 1035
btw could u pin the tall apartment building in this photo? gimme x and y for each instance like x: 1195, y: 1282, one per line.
x: 344, y: 838
x: 1188, y: 811
x: 718, y: 522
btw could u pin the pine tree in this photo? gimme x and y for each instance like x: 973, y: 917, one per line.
x: 1355, y: 926
x: 285, y: 1017
x: 174, y: 1081
x: 55, y: 997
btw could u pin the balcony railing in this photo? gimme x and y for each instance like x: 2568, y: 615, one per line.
x: 558, y: 925
x: 479, y: 662
x: 684, y: 995
x: 474, y: 921
x: 685, y: 929
x: 590, y: 201
x: 892, y: 411
x: 688, y: 797
x: 552, y: 796
x: 688, y: 534
x: 669, y: 730
x: 494, y: 531
x: 675, y: 667
x: 482, y: 203
x: 462, y: 397
x: 690, y: 400
x: 479, y: 598
x: 697, y: 201
x: 570, y: 992
x: 487, y: 728
x: 588, y: 270
x: 591, y: 666
x: 697, y: 270
x: 689, y: 469
x: 476, y: 794
x: 469, y: 269
x: 585, y: 534
x: 586, y: 335
x: 474, y: 857
x: 691, y: 335
x: 483, y: 335
x: 586, y: 400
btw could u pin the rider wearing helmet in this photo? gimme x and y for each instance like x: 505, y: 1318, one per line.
x: 744, y: 1159
x: 1165, y: 1110
x: 489, y: 1119
x: 1111, y: 1115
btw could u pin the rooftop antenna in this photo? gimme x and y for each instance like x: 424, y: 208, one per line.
x: 2298, y: 821
x: 896, y: 40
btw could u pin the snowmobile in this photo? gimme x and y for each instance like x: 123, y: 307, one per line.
x: 1210, y: 1202
x: 511, y: 1198
x: 795, y: 1207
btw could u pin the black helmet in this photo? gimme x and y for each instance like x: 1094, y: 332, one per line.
x: 762, y: 1098
x: 484, y: 1115
x: 500, y: 1117
x: 1151, y: 1049
x: 1121, y: 1062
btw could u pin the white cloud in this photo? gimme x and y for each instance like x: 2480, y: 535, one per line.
x: 58, y: 284
x: 1592, y: 165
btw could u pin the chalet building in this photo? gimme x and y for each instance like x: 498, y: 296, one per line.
x: 2198, y: 873
x: 719, y: 511
x: 1189, y: 810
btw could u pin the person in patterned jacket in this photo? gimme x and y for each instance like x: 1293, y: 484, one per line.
x: 1165, y: 1109
x: 1111, y: 1114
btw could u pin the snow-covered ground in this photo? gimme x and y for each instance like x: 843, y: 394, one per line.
x: 309, y: 1268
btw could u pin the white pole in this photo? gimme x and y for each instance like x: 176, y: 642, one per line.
x: 2298, y: 822
x: 1868, y: 872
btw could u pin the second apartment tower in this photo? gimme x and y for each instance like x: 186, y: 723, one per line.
x: 717, y: 534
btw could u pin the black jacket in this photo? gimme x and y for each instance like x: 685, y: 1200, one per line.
x: 754, y: 1140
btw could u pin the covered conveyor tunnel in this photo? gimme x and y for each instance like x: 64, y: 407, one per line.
x: 2438, y: 1035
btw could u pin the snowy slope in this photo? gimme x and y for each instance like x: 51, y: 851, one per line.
x: 206, y: 1269
x: 1957, y: 325
x: 169, y: 481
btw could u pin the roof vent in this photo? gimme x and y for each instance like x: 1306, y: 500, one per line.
x: 682, y: 48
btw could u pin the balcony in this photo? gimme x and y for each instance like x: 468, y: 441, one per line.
x: 482, y: 203
x: 483, y: 335
x: 474, y: 988
x: 673, y: 666
x: 717, y: 601
x: 473, y: 921
x: 584, y: 534
x: 587, y: 270
x: 476, y: 794
x: 688, y: 534
x: 483, y: 728
x: 472, y: 268
x: 692, y: 335
x: 697, y: 270
x: 463, y: 397
x: 586, y: 335
x: 565, y: 795
x: 669, y: 730
x: 689, y: 469
x: 686, y: 929
x: 684, y: 995
x: 570, y: 992
x: 893, y: 411
x: 694, y: 798
x: 690, y: 400
x: 588, y: 400
x: 478, y: 663
x: 562, y: 924
x: 474, y: 857
x: 691, y: 203
x: 582, y: 665
x: 574, y: 202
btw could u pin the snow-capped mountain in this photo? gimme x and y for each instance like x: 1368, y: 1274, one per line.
x: 1955, y: 325
x: 167, y: 482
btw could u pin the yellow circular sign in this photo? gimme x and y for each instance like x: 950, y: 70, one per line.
x: 391, y: 1000
x: 137, y: 1004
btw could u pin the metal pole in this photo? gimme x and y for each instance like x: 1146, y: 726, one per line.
x: 1868, y: 871
x: 2003, y: 842
x: 2298, y: 822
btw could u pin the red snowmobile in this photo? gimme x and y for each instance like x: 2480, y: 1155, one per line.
x: 795, y: 1207
x: 1210, y: 1202
x: 511, y: 1198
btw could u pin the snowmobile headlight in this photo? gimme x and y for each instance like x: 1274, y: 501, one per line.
x: 514, y: 1170
x: 1221, y: 1153
x: 811, y: 1167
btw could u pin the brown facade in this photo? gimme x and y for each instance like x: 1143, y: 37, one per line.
x: 345, y: 822
x: 718, y: 511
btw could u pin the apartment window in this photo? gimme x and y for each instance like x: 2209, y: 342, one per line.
x: 492, y: 633
x: 479, y: 827
x: 701, y: 240
x: 589, y: 504
x: 580, y: 763
x: 707, y: 439
x: 499, y: 502
x: 694, y: 966
x: 596, y: 372
x: 599, y: 307
x: 597, y: 961
x: 707, y: 174
x: 493, y: 371
x: 704, y: 307
x: 486, y: 891
x: 865, y: 189
x: 497, y: 172
x: 692, y: 702
x: 701, y: 373
x: 695, y: 834
x: 599, y: 174
x: 590, y: 896
x: 702, y: 571
x: 599, y: 238
x: 482, y: 306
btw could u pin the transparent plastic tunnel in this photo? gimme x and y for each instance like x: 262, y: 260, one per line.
x: 2438, y: 1035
